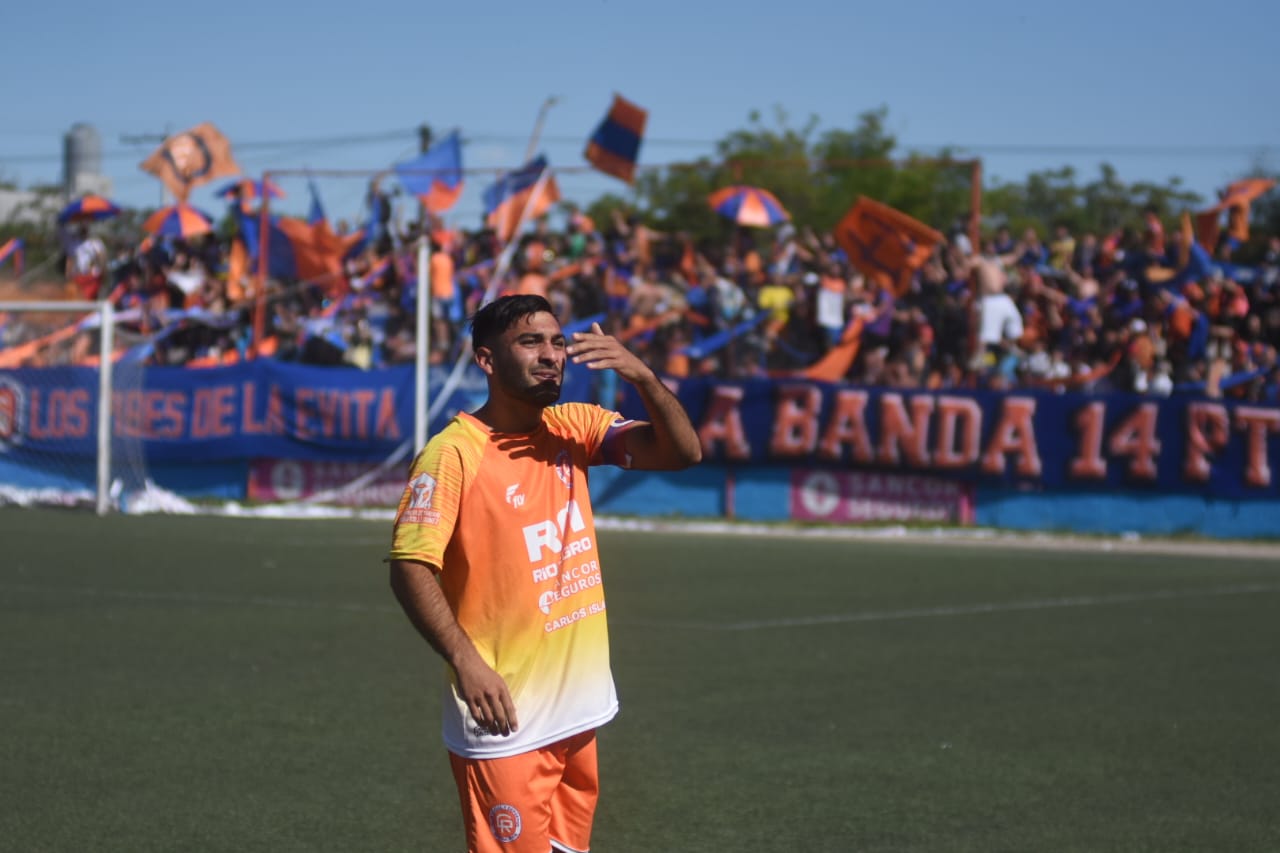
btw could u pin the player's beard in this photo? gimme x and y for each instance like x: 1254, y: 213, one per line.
x: 521, y: 383
x: 544, y: 393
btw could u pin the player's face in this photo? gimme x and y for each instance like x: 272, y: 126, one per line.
x: 527, y: 361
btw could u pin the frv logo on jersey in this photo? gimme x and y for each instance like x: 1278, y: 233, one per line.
x: 548, y: 535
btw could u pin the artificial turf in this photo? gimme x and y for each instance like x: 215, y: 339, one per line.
x: 213, y: 684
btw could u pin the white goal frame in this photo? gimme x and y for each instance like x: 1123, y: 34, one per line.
x: 106, y: 346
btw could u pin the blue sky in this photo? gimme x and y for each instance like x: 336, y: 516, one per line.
x: 1156, y: 89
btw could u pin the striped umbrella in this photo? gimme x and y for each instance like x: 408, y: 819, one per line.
x: 749, y: 206
x: 180, y: 220
x: 89, y: 207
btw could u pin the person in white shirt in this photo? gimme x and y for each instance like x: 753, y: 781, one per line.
x: 1000, y: 322
x: 86, y: 254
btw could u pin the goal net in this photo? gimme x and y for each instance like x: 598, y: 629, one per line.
x: 60, y: 384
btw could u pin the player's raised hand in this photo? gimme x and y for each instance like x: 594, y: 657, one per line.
x: 597, y: 351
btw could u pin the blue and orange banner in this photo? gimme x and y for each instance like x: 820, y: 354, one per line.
x: 614, y: 146
x: 250, y: 410
x: 885, y: 244
x: 1041, y: 441
x: 1026, y: 439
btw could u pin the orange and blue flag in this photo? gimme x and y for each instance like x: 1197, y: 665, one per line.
x: 532, y: 186
x: 191, y: 158
x: 614, y: 147
x: 14, y: 250
x: 885, y: 244
x: 436, y: 176
x: 297, y: 250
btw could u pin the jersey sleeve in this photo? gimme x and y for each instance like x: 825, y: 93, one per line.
x: 428, y: 508
x: 601, y: 430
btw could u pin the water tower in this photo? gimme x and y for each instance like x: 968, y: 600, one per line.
x: 82, y: 162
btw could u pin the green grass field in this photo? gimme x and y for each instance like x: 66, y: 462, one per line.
x: 205, y: 684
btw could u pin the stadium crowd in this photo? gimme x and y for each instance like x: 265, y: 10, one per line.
x: 1083, y: 311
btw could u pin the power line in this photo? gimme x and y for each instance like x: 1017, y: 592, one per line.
x: 270, y: 145
x: 990, y: 148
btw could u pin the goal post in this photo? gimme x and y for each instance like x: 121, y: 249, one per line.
x: 64, y: 474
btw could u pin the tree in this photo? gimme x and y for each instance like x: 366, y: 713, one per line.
x: 818, y: 175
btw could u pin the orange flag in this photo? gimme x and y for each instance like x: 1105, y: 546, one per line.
x: 833, y: 366
x: 1208, y: 227
x: 193, y: 157
x: 317, y: 251
x: 1243, y: 192
x: 1236, y: 200
x: 885, y: 244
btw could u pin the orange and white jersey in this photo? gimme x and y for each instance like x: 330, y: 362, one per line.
x: 506, y: 520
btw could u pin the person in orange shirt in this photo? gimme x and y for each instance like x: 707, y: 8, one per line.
x: 495, y: 561
x: 445, y: 307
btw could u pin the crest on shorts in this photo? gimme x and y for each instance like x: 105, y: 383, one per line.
x: 504, y: 822
x: 421, y: 489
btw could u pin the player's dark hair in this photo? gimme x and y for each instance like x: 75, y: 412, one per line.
x: 503, y: 313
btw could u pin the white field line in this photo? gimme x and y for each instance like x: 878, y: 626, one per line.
x: 975, y: 609
x: 980, y: 608
x: 974, y: 537
x: 950, y: 537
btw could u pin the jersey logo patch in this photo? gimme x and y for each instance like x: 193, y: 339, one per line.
x: 422, y: 489
x: 504, y: 822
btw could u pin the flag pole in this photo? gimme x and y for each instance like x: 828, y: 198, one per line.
x: 550, y: 102
x: 504, y: 260
x: 509, y: 250
x: 260, y: 280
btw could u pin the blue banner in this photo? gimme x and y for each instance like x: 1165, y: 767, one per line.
x: 1034, y: 441
x: 1029, y: 440
x: 258, y: 409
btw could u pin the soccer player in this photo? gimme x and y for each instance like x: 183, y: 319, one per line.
x: 494, y: 559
